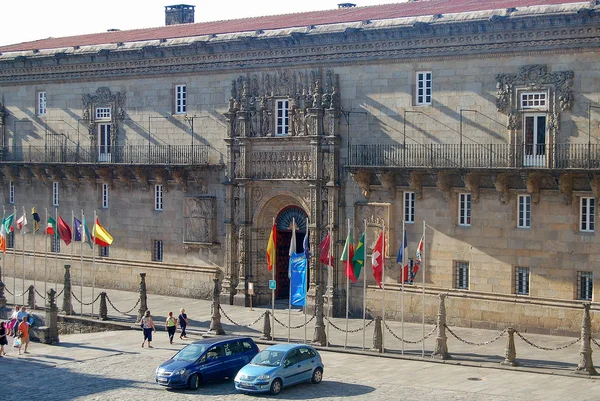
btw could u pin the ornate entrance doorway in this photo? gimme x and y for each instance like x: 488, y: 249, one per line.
x: 284, y: 236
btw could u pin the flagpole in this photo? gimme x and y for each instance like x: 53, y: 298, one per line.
x: 46, y: 256
x: 329, y: 279
x: 403, y: 279
x: 364, y: 285
x: 23, y: 224
x: 14, y: 256
x: 347, y: 291
x: 290, y: 277
x: 34, y: 254
x: 81, y: 264
x: 72, y: 233
x: 383, y: 290
x: 93, y: 262
x: 55, y: 238
x: 273, y: 268
x: 305, y: 278
x: 423, y: 301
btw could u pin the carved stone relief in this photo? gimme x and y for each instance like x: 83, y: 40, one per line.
x: 103, y: 98
x: 376, y: 216
x: 565, y: 186
x: 200, y: 214
x: 443, y: 181
x: 363, y: 179
x: 472, y: 182
x: 534, y: 182
x: 501, y: 182
x: 415, y: 182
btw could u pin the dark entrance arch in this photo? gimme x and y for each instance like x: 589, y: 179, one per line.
x: 284, y: 237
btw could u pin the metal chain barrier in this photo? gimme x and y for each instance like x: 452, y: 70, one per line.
x: 83, y: 303
x: 408, y: 341
x: 241, y: 325
x: 294, y: 327
x: 545, y: 348
x: 59, y: 294
x: 349, y: 331
x: 594, y: 341
x: 7, y: 290
x: 493, y: 340
x: 123, y: 313
x: 41, y: 296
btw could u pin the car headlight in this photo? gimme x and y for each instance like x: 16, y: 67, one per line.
x: 180, y: 372
x: 160, y: 371
x: 263, y: 377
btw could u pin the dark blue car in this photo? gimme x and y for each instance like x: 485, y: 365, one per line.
x: 206, y: 360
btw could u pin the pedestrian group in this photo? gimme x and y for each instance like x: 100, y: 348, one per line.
x: 18, y: 328
x: 171, y: 324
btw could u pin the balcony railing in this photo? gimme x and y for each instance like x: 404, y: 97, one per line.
x: 125, y: 154
x: 559, y: 156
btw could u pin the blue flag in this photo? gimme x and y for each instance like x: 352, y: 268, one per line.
x: 402, y: 250
x: 78, y: 229
x: 305, y: 245
x: 298, y: 279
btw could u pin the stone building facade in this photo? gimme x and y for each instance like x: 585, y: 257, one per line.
x: 481, y: 124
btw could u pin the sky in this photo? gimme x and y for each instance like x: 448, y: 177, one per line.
x: 27, y: 20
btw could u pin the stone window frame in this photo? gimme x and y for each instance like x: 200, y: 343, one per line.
x: 587, y: 218
x: 157, y: 250
x: 409, y: 202
x: 11, y: 192
x: 55, y: 244
x: 180, y: 99
x: 41, y: 103
x: 105, y: 191
x: 465, y: 206
x: 103, y: 97
x: 282, y: 122
x: 585, y: 285
x: 423, y: 99
x: 522, y: 280
x: 524, y: 211
x: 10, y: 240
x: 158, y: 197
x: 527, y: 99
x: 103, y: 114
x: 103, y: 251
x: 461, y: 274
x: 55, y: 193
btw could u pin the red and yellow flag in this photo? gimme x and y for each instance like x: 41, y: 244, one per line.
x: 271, y: 246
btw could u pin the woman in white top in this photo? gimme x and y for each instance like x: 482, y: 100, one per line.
x: 148, y: 327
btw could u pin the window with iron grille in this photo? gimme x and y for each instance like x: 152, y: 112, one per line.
x: 157, y: 250
x: 11, y: 192
x: 104, y: 196
x: 41, y: 103
x: 103, y: 113
x: 54, y: 244
x: 461, y: 271
x: 524, y: 218
x: 180, y: 99
x: 522, y: 280
x: 423, y: 95
x: 464, y: 209
x: 283, y: 119
x: 587, y: 214
x: 103, y: 252
x: 409, y: 207
x: 55, y: 193
x: 10, y: 240
x: 158, y: 197
x: 534, y: 100
x: 585, y: 285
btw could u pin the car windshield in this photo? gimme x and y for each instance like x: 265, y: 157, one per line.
x: 190, y: 353
x: 268, y: 358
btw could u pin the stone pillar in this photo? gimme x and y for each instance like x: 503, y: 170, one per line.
x: 267, y: 327
x: 511, y: 352
x: 586, y: 365
x: 143, y: 297
x: 320, y: 337
x: 441, y: 341
x: 51, y: 336
x: 377, y: 336
x: 240, y: 297
x: 215, y: 322
x: 3, y: 311
x: 103, y: 307
x: 67, y: 305
x: 31, y: 297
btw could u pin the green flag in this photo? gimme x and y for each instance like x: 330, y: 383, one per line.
x: 51, y: 229
x: 359, y: 256
x: 7, y: 222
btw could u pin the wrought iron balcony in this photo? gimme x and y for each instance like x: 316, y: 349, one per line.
x: 125, y: 154
x: 500, y: 156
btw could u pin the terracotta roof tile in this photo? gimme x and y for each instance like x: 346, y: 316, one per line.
x: 344, y: 15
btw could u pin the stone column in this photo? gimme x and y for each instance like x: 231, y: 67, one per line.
x: 586, y: 365
x: 3, y: 311
x: 511, y: 353
x: 31, y: 297
x: 103, y: 306
x: 240, y: 296
x: 377, y: 336
x: 51, y: 330
x: 267, y: 327
x: 441, y: 341
x: 67, y: 305
x: 143, y: 297
x: 215, y: 322
x: 320, y: 337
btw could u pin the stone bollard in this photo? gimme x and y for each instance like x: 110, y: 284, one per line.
x: 103, y: 307
x: 320, y: 337
x: 441, y: 341
x: 3, y: 311
x: 267, y: 327
x: 31, y: 297
x: 215, y: 321
x: 586, y: 365
x: 377, y: 336
x: 143, y: 297
x: 67, y: 305
x: 50, y: 331
x: 511, y: 353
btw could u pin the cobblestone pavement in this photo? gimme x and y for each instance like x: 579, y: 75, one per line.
x: 113, y: 366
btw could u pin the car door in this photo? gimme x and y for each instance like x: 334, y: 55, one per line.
x: 234, y: 359
x: 215, y: 367
x: 291, y: 368
x: 308, y: 362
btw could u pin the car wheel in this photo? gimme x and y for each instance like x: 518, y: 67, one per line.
x: 317, y: 376
x: 276, y: 386
x: 194, y: 382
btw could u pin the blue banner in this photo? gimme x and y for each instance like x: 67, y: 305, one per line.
x: 298, y: 280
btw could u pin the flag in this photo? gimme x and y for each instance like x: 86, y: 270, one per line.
x: 51, y: 228
x: 347, y: 255
x: 8, y: 223
x: 101, y: 237
x: 400, y: 259
x: 64, y: 231
x: 5, y: 228
x: 358, y: 260
x: 377, y: 258
x: 271, y: 245
x: 419, y: 258
x: 36, y: 220
x: 324, y: 256
x: 305, y: 245
x: 88, y: 234
x: 21, y: 223
x: 292, y: 249
x: 78, y: 228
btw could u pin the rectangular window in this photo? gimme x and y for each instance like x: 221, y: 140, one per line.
x: 423, y: 95
x: 522, y: 280
x: 104, y: 196
x: 462, y: 275
x: 409, y: 207
x: 104, y: 251
x: 158, y: 197
x: 464, y: 210
x: 283, y: 119
x: 157, y: 250
x: 103, y: 113
x: 41, y: 103
x: 55, y: 193
x: 585, y: 285
x: 587, y: 214
x: 55, y: 244
x: 524, y: 218
x: 533, y: 100
x: 180, y: 99
x: 11, y: 192
x: 10, y: 240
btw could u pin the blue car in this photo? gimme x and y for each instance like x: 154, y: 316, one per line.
x: 279, y: 366
x: 206, y: 360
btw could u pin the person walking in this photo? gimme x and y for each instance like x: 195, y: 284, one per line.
x: 171, y: 326
x: 14, y: 322
x: 148, y: 327
x: 3, y: 338
x: 183, y: 323
x: 24, y: 334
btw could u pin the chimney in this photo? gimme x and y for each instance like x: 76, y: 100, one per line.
x: 346, y: 5
x: 179, y: 14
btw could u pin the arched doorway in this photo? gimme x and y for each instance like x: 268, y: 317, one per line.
x: 284, y: 223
